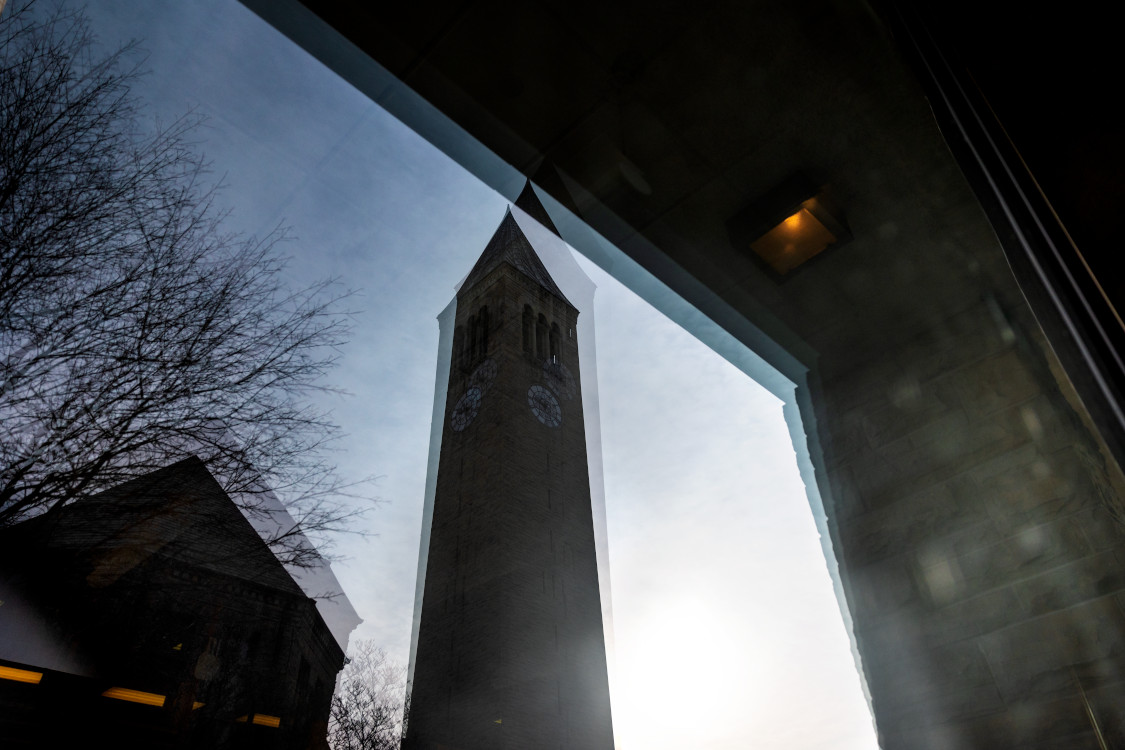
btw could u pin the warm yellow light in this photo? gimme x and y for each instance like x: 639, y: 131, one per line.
x: 196, y: 704
x: 20, y: 675
x: 793, y: 241
x: 135, y: 696
x: 267, y: 721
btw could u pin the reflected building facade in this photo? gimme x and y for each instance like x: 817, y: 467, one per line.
x: 154, y: 615
x: 510, y: 650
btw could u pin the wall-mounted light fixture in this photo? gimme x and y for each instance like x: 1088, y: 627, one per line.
x: 788, y: 226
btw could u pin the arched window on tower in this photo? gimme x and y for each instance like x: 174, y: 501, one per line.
x: 458, y: 346
x: 482, y: 329
x: 555, y: 342
x: 528, y: 328
x: 471, y: 339
x: 541, y: 337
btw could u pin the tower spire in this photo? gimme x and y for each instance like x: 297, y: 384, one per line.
x: 510, y: 245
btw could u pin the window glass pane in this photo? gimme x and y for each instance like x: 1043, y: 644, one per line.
x: 725, y: 628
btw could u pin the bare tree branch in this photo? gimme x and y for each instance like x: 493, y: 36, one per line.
x: 133, y: 329
x: 367, y: 707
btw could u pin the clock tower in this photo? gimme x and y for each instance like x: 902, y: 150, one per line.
x: 510, y: 651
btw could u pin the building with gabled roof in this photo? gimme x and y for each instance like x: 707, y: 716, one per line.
x: 154, y: 613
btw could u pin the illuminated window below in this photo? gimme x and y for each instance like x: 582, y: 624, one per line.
x: 262, y: 720
x: 20, y: 675
x: 135, y: 696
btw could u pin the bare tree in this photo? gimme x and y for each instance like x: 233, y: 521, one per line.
x: 367, y: 707
x: 133, y: 330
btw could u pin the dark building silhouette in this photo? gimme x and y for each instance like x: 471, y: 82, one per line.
x: 153, y: 615
x: 510, y: 650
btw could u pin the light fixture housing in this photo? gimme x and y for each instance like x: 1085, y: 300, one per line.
x: 789, y: 226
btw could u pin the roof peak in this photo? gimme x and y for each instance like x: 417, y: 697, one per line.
x: 510, y: 245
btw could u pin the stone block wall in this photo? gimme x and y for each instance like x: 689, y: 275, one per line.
x: 979, y: 539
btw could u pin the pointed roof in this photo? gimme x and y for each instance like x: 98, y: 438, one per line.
x: 510, y: 245
x: 531, y: 204
x: 179, y: 513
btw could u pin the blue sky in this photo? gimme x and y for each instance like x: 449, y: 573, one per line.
x: 726, y: 628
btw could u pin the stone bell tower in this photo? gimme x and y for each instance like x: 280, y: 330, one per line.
x: 510, y: 648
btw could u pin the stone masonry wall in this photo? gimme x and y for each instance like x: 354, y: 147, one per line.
x: 979, y: 537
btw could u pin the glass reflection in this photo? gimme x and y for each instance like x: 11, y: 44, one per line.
x: 700, y: 499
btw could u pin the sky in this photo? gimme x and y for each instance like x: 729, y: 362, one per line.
x: 727, y: 632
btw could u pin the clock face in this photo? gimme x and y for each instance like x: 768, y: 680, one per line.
x: 558, y: 379
x: 544, y: 406
x: 466, y: 408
